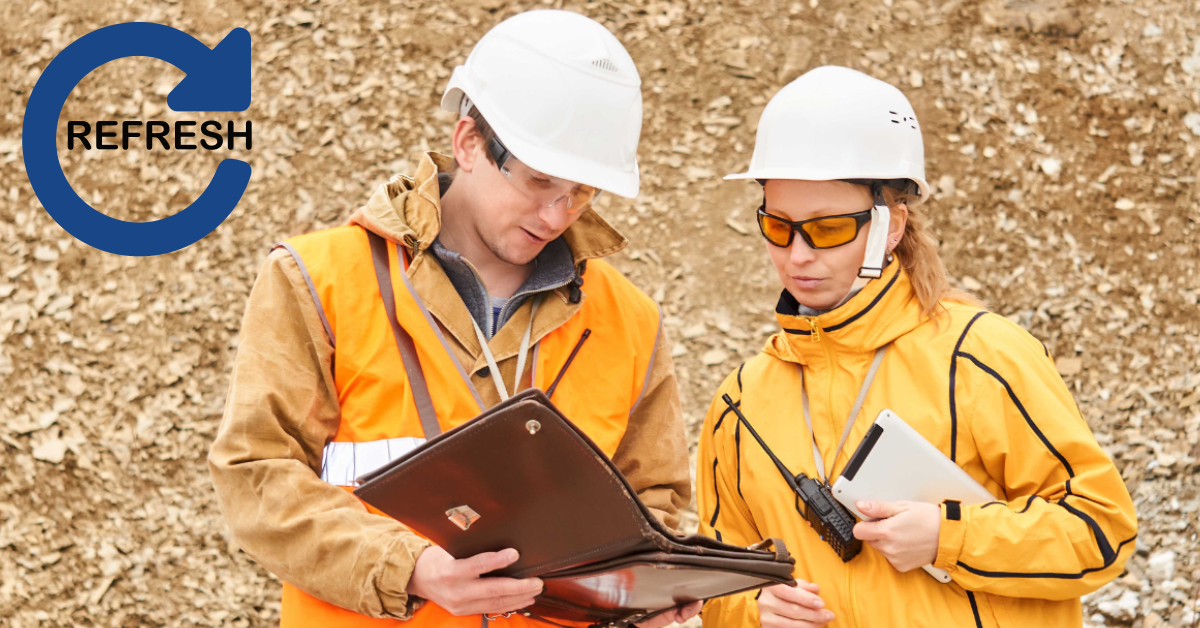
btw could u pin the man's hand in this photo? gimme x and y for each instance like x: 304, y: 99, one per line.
x: 677, y: 615
x: 456, y: 585
x: 782, y: 606
x: 906, y: 533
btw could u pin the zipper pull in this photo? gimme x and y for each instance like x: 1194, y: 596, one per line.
x: 576, y: 293
x: 577, y: 283
x: 816, y: 328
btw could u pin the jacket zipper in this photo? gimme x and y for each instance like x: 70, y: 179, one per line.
x: 850, y: 611
x: 816, y: 328
x: 831, y: 364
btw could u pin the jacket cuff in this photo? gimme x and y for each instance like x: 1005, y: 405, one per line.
x: 951, y: 535
x: 398, y: 564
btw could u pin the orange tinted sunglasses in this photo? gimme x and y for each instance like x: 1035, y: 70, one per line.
x: 825, y: 232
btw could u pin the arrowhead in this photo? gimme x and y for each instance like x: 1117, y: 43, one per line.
x: 219, y: 80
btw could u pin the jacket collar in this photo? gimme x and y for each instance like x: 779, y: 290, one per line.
x: 885, y: 309
x: 408, y: 210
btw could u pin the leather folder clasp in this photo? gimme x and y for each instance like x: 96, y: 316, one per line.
x: 462, y: 516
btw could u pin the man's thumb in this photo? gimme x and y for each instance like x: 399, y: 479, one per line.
x: 486, y: 562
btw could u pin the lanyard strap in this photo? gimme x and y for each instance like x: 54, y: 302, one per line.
x: 491, y: 358
x: 858, y: 403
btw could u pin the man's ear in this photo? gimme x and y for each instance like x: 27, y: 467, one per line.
x: 466, y: 144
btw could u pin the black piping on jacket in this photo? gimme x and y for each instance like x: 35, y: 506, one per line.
x: 717, y: 508
x: 975, y: 609
x: 1108, y: 555
x: 737, y: 440
x: 737, y: 448
x: 953, y: 375
x: 1050, y: 575
x: 1021, y: 408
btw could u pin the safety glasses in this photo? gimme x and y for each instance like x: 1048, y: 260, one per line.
x: 825, y: 232
x: 544, y: 190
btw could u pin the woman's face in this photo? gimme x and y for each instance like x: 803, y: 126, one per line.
x: 820, y: 278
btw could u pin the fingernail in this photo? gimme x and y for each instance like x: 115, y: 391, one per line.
x: 828, y: 616
x: 512, y: 554
x: 820, y: 603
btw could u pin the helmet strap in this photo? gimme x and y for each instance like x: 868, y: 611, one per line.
x: 881, y: 218
x: 876, y: 256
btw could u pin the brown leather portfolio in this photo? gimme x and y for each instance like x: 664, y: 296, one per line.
x: 521, y: 475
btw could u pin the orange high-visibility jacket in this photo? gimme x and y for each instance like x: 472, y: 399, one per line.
x: 598, y: 391
x: 978, y: 387
x: 318, y: 395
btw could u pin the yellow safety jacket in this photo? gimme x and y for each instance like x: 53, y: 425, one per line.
x: 978, y: 387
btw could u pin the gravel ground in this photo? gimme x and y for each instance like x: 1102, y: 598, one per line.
x: 1062, y: 146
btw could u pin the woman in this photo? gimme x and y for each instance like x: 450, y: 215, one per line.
x: 841, y: 161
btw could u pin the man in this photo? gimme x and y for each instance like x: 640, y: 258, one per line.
x: 494, y: 268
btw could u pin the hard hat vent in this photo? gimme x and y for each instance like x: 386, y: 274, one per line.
x: 606, y: 65
x: 899, y: 119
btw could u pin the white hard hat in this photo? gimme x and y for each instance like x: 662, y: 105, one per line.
x: 561, y: 93
x: 835, y: 123
x: 838, y: 124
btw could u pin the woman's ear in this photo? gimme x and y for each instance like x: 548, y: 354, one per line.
x: 897, y: 223
x: 466, y: 143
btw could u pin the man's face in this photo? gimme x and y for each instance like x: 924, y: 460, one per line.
x: 518, y: 214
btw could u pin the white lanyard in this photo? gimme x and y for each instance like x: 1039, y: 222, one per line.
x: 491, y: 358
x: 858, y: 402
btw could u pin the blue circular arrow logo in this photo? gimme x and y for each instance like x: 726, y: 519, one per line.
x: 217, y: 79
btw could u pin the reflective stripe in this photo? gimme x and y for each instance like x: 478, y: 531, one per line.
x: 344, y: 462
x: 312, y: 290
x: 650, y: 365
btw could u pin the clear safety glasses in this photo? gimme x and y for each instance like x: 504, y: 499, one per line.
x: 544, y: 190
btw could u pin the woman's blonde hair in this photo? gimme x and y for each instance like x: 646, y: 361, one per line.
x: 919, y: 257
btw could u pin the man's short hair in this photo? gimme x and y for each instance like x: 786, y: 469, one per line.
x: 483, y: 129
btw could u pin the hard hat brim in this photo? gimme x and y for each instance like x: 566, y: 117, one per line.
x: 902, y: 172
x: 549, y: 161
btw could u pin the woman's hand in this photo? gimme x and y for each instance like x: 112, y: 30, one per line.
x: 677, y: 615
x: 906, y: 533
x: 782, y: 606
